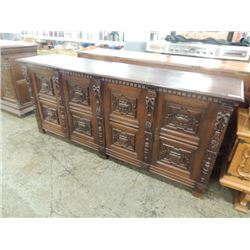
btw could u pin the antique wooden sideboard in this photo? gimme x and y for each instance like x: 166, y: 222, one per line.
x: 235, y: 69
x: 167, y: 122
x: 15, y: 96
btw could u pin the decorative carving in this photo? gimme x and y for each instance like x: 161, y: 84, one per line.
x: 96, y: 87
x: 79, y: 94
x: 182, y: 118
x: 124, y: 105
x: 6, y: 80
x: 244, y: 167
x: 61, y: 106
x: 81, y: 125
x: 50, y: 115
x: 150, y: 106
x: 123, y: 139
x: 46, y: 87
x: 97, y: 93
x: 221, y: 122
x: 177, y: 157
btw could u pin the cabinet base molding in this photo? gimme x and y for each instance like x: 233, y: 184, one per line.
x: 15, y: 109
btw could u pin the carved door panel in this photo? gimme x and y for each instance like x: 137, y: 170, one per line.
x: 79, y: 103
x: 7, y: 88
x: 124, y: 111
x: 48, y: 94
x: 19, y: 81
x: 183, y: 129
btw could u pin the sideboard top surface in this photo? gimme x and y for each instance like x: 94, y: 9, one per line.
x: 212, y: 65
x: 15, y: 44
x: 205, y: 84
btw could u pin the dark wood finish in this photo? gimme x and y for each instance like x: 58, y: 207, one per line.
x: 158, y: 120
x: 236, y: 69
x: 15, y: 97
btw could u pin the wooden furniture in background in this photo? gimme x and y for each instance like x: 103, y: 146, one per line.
x: 235, y: 69
x: 15, y: 97
x: 237, y: 176
x: 166, y: 122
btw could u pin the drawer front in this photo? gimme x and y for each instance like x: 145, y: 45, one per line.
x: 80, y: 105
x: 124, y: 112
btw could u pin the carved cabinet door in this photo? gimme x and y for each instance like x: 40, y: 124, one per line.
x: 18, y: 78
x: 124, y: 112
x: 79, y: 105
x: 7, y: 87
x: 186, y: 141
x: 48, y: 96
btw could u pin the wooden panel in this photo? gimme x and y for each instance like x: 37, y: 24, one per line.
x: 184, y: 135
x: 80, y: 106
x: 124, y: 115
x: 48, y: 94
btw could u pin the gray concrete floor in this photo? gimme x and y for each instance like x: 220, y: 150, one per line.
x: 43, y: 176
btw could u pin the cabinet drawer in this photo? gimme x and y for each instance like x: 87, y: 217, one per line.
x: 82, y: 129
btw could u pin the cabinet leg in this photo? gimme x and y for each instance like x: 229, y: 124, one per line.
x: 102, y: 153
x: 198, y: 190
x: 240, y: 202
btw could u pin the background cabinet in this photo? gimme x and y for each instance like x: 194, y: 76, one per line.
x: 15, y: 96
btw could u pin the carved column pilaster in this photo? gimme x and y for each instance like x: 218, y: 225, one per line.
x: 148, y: 131
x: 60, y: 101
x: 97, y: 92
x: 221, y: 122
x: 32, y: 96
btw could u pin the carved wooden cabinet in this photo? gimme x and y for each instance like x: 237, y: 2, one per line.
x: 162, y: 121
x: 15, y: 96
x: 236, y: 174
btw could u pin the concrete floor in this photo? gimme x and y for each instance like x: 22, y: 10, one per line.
x: 43, y: 176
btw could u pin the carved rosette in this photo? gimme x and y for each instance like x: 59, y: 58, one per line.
x: 177, y: 157
x: 82, y: 125
x: 123, y: 139
x: 123, y: 104
x: 150, y: 106
x: 221, y: 122
x: 79, y: 94
x: 183, y: 119
x: 45, y: 86
x: 96, y: 88
x: 244, y: 167
x: 50, y: 115
x: 61, y: 106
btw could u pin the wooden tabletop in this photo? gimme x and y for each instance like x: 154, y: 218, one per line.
x: 170, y: 60
x: 13, y: 44
x: 210, y: 85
